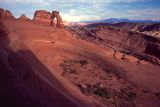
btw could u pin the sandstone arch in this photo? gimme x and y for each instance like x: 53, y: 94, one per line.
x: 44, y: 17
x: 55, y: 14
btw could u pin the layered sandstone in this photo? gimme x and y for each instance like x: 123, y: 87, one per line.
x: 131, y: 42
x: 153, y: 29
x: 46, y: 18
x: 146, y: 28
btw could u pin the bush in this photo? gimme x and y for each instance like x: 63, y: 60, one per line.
x: 132, y: 95
x: 157, y: 94
x: 103, y: 92
x: 83, y: 62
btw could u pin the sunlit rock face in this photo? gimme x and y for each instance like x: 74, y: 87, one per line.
x: 59, y: 19
x: 6, y: 14
x: 23, y: 17
x: 42, y: 17
x: 46, y: 18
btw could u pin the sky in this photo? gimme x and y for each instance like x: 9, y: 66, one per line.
x: 87, y: 10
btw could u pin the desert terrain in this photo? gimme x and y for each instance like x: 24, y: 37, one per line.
x: 44, y: 63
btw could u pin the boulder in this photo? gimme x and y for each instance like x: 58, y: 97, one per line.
x: 6, y: 14
x: 23, y: 17
x: 117, y: 55
x: 42, y: 17
x: 130, y: 58
x: 143, y: 62
x: 82, y: 85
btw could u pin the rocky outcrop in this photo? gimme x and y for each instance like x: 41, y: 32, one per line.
x: 6, y: 14
x: 130, y: 58
x: 146, y: 28
x: 42, y: 17
x: 46, y: 18
x: 23, y: 17
x: 130, y: 26
x: 122, y: 56
x: 153, y: 29
x: 130, y: 42
x: 117, y: 55
x: 3, y: 38
x: 59, y: 19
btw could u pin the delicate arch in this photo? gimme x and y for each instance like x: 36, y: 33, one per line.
x: 55, y: 14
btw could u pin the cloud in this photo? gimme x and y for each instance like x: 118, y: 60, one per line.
x: 144, y: 13
x: 71, y: 2
x: 80, y: 10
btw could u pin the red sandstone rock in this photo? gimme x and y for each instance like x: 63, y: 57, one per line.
x: 23, y: 17
x: 121, y: 39
x: 143, y: 62
x: 46, y: 18
x: 6, y: 14
x: 42, y: 17
x: 31, y: 75
x: 130, y: 58
x: 117, y: 55
x: 59, y: 19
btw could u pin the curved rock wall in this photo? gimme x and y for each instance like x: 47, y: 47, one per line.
x: 141, y: 45
x: 130, y: 41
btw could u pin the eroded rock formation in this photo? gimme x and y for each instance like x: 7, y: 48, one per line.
x: 153, y: 29
x: 59, y: 19
x: 42, y: 67
x: 23, y: 17
x: 6, y: 14
x: 46, y: 18
x: 42, y: 17
x: 131, y: 42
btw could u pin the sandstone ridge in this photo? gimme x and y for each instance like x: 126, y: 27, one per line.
x: 23, y: 17
x: 6, y: 14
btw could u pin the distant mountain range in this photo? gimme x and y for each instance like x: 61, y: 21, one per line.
x: 114, y: 20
